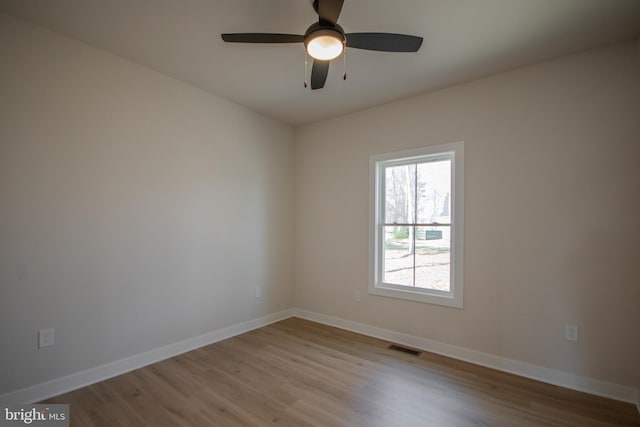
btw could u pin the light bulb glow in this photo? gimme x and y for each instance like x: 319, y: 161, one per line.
x: 325, y: 47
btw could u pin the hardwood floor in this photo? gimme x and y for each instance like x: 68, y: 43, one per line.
x: 300, y: 373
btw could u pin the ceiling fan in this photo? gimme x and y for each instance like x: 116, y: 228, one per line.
x: 325, y: 40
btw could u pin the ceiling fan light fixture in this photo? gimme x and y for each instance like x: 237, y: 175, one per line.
x: 325, y: 44
x: 325, y: 40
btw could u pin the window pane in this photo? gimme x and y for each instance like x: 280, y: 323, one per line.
x: 433, y: 258
x: 398, y: 255
x: 434, y: 192
x: 400, y: 194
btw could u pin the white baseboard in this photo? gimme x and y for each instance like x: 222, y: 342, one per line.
x: 550, y: 376
x: 74, y: 381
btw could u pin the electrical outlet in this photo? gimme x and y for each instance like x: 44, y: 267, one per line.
x: 571, y: 332
x: 45, y: 338
x: 258, y: 292
x: 356, y: 296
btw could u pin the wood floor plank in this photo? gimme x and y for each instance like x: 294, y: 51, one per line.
x: 300, y: 373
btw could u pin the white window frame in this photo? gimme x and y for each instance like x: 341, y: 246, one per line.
x: 453, y: 298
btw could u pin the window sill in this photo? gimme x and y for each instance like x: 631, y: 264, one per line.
x: 411, y: 295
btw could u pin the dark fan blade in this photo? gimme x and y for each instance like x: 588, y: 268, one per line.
x: 386, y: 42
x: 262, y: 38
x: 319, y: 74
x: 328, y: 10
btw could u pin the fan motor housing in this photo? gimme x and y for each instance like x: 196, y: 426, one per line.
x: 318, y: 29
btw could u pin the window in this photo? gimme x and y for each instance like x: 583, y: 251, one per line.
x: 416, y: 224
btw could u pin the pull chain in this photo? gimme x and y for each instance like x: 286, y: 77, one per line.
x: 306, y: 57
x: 344, y: 61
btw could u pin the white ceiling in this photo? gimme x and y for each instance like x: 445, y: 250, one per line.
x: 463, y: 40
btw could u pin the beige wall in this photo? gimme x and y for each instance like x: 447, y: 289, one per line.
x: 135, y: 211
x: 552, y: 188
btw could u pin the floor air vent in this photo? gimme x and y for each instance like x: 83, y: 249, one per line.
x: 405, y: 350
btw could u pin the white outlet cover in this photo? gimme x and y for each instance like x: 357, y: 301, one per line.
x: 571, y: 332
x: 45, y: 338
